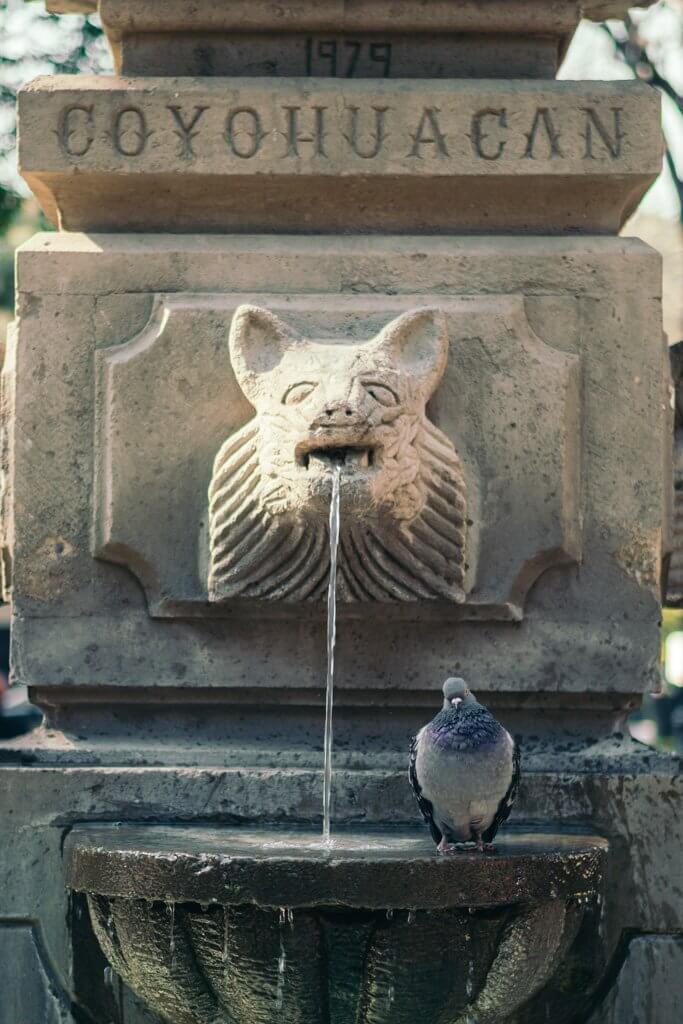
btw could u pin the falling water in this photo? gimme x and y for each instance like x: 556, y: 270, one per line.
x: 331, y: 637
x: 171, y: 944
x: 281, y: 963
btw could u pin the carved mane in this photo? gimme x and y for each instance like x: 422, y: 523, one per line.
x: 255, y: 554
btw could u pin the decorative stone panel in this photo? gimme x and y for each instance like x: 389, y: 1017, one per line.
x: 168, y: 399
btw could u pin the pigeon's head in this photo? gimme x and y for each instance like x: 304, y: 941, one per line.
x: 456, y: 692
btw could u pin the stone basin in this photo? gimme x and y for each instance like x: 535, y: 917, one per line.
x: 247, y: 925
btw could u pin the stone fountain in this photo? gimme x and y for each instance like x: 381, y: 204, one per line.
x: 379, y: 237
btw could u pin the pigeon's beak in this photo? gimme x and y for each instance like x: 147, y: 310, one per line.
x: 456, y: 702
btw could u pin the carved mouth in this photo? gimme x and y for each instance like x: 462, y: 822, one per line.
x: 346, y: 456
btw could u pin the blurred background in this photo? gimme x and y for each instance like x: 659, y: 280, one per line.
x: 648, y: 45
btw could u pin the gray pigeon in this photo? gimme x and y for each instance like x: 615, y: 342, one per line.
x: 464, y: 770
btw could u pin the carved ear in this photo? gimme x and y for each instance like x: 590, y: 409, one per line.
x: 416, y: 343
x: 258, y: 341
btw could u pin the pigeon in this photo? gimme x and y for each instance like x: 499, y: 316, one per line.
x: 464, y: 770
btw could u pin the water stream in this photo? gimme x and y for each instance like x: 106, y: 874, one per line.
x: 331, y: 638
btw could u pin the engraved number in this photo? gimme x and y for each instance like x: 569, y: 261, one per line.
x: 341, y: 58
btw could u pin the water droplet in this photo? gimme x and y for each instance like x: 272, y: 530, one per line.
x: 108, y: 977
x: 281, y: 967
x: 390, y: 915
x: 411, y: 916
x: 391, y: 994
x: 469, y: 984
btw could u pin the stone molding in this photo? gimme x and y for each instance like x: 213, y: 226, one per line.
x: 326, y: 155
x: 151, y: 499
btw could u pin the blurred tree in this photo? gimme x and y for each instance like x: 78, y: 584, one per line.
x: 33, y: 42
x: 632, y: 49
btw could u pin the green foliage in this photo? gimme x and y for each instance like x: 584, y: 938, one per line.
x: 10, y: 204
x: 6, y: 279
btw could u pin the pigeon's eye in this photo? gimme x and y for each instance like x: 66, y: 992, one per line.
x: 298, y: 392
x: 380, y: 392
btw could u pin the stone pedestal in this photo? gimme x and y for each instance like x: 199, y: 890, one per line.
x: 228, y: 241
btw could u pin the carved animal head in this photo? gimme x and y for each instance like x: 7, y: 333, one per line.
x: 361, y: 407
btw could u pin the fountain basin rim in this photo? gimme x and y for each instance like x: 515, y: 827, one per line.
x: 369, y: 869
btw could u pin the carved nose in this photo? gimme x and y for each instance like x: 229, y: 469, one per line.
x: 338, y: 414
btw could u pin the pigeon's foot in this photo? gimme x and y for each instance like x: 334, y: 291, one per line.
x: 446, y: 847
x: 484, y: 847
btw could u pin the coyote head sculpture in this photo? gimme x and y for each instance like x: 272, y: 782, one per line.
x: 361, y: 406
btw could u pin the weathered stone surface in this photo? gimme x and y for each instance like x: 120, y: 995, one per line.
x: 169, y: 697
x: 29, y: 993
x: 287, y: 504
x: 371, y: 869
x: 213, y: 964
x: 649, y: 987
x: 489, y: 38
x: 189, y: 963
x: 636, y: 811
x: 226, y: 154
x: 569, y: 289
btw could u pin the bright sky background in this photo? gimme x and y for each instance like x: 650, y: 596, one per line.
x: 591, y: 55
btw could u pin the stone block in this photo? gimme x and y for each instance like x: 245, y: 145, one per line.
x: 154, y: 313
x: 151, y: 498
x: 370, y: 38
x: 649, y: 988
x: 310, y: 156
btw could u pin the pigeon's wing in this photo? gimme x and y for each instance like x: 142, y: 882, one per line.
x: 505, y: 805
x: 425, y: 806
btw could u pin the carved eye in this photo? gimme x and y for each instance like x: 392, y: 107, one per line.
x: 298, y: 392
x: 380, y: 392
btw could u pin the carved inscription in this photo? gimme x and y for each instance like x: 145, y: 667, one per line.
x: 347, y: 58
x: 243, y: 132
x: 129, y: 131
x: 76, y: 131
x: 292, y: 131
x: 186, y: 129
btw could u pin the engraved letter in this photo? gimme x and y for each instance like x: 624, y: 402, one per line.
x: 378, y: 136
x: 477, y: 134
x: 542, y: 117
x: 612, y: 145
x: 184, y: 132
x: 421, y: 138
x: 317, y: 138
x: 129, y: 131
x: 76, y: 133
x: 254, y: 133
